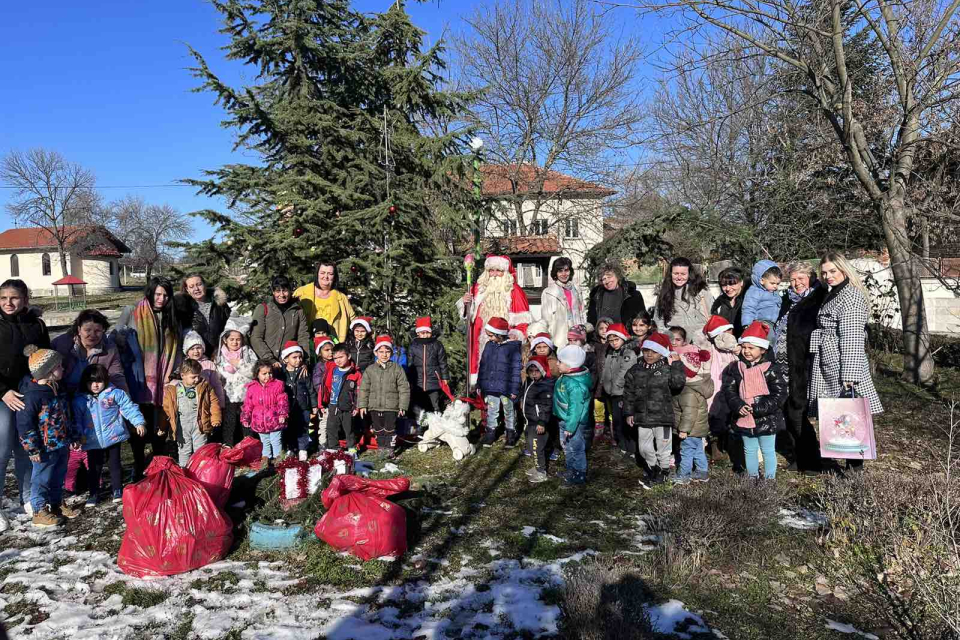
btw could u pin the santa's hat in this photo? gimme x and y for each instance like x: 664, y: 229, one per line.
x: 383, y: 341
x: 289, y: 347
x: 572, y: 355
x: 757, y: 333
x: 693, y: 359
x: 496, y: 262
x: 541, y: 338
x: 716, y: 325
x: 498, y: 326
x: 423, y: 324
x: 319, y: 341
x: 658, y: 342
x: 541, y: 363
x: 618, y: 330
x: 364, y: 321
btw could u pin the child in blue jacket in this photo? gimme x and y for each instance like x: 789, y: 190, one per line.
x: 762, y: 300
x: 99, y: 410
x: 498, y: 379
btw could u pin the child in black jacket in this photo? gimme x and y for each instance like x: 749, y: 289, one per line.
x: 361, y: 342
x: 428, y: 364
x: 537, y: 412
x: 302, y: 397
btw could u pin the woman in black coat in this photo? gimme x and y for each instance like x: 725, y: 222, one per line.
x: 615, y: 297
x: 196, y: 308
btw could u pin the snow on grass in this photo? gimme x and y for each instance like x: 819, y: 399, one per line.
x: 848, y: 628
x: 802, y: 519
x: 529, y: 532
x: 672, y: 617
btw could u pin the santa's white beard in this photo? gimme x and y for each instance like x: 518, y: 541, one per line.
x: 494, y: 296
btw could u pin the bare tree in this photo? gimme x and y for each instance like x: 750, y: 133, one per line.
x: 921, y: 53
x: 53, y: 194
x: 149, y: 230
x: 558, y: 91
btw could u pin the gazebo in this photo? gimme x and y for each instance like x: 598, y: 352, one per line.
x: 69, y: 281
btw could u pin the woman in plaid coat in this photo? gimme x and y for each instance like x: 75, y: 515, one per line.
x: 838, y: 344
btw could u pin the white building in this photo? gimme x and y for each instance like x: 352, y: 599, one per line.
x: 563, y: 216
x: 30, y: 254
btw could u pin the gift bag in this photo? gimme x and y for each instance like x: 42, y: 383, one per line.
x: 846, y: 428
x: 213, y: 466
x: 361, y: 521
x: 172, y: 524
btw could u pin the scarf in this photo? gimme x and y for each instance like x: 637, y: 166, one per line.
x: 752, y: 385
x: 230, y: 359
x: 157, y: 364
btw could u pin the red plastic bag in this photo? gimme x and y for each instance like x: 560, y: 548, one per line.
x: 359, y: 519
x: 173, y: 525
x: 213, y: 465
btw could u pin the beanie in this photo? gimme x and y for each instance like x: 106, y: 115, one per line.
x: 717, y: 325
x: 319, y: 341
x: 618, y: 330
x: 541, y: 338
x: 577, y: 332
x: 757, y: 334
x: 693, y: 359
x: 364, y: 321
x: 191, y: 339
x: 41, y: 361
x: 423, y: 324
x: 572, y: 355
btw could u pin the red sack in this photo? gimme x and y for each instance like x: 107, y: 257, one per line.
x: 173, y: 525
x: 359, y: 519
x: 213, y: 465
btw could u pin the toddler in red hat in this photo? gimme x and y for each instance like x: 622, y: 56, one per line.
x: 691, y: 424
x: 428, y: 360
x: 384, y: 395
x: 618, y: 359
x: 498, y: 379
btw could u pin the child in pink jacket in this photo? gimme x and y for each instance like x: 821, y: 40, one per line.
x: 265, y: 410
x: 723, y: 350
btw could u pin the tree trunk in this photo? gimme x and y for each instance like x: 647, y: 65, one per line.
x: 149, y: 271
x: 917, y: 357
x: 64, y: 271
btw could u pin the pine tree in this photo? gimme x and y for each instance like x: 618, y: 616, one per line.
x: 330, y: 81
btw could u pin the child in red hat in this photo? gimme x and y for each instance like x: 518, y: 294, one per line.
x: 537, y: 407
x: 384, y: 395
x: 691, y: 425
x: 498, y: 379
x: 428, y: 360
x: 619, y: 358
x: 361, y: 342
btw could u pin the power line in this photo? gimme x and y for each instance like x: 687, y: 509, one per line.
x: 112, y: 186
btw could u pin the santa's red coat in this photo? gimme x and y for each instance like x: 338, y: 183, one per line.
x: 519, y: 318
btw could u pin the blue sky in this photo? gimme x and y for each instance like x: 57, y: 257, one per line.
x: 104, y: 82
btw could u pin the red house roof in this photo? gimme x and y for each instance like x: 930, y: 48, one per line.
x: 105, y: 246
x: 524, y: 245
x: 512, y: 179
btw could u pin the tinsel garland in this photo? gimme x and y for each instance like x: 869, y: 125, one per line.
x: 302, y: 468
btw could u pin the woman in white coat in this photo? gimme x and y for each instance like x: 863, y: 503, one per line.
x: 561, y: 307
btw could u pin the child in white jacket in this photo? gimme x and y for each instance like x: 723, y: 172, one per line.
x: 235, y: 360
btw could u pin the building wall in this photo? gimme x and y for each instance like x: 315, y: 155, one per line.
x: 95, y: 271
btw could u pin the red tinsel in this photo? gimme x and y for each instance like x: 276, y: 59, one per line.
x: 328, y: 459
x: 302, y: 467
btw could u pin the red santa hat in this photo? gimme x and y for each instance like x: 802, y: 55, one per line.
x: 423, y: 324
x: 619, y: 330
x: 289, y: 347
x: 498, y: 326
x: 758, y: 334
x: 541, y: 363
x: 692, y: 358
x: 657, y: 342
x: 383, y: 341
x: 717, y: 325
x: 541, y: 338
x: 364, y: 321
x: 497, y: 262
x: 319, y: 341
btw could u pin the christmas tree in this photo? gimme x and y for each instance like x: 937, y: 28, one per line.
x: 347, y: 170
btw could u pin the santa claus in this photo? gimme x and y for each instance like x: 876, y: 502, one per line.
x: 495, y: 294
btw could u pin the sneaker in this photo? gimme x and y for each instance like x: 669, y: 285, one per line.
x: 66, y: 511
x: 92, y: 500
x: 701, y: 477
x: 47, y: 518
x: 654, y: 477
x: 527, y: 453
x: 118, y: 496
x: 512, y: 439
x: 489, y: 437
x: 531, y: 471
x: 681, y: 480
x: 554, y: 455
x: 563, y: 474
x: 28, y: 508
x: 538, y: 476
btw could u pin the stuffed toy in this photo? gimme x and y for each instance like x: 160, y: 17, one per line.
x: 451, y: 427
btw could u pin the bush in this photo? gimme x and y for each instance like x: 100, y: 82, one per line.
x: 604, y: 600
x: 946, y: 349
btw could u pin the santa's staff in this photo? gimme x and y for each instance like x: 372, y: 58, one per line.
x: 476, y: 144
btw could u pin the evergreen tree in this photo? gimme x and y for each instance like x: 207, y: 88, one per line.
x: 329, y: 82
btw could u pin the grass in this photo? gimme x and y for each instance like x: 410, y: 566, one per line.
x: 144, y: 598
x: 113, y: 300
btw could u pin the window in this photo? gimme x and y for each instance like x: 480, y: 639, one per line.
x: 110, y: 262
x: 509, y: 227
x: 45, y: 264
x: 530, y: 275
x: 571, y: 228
x: 539, y: 228
x: 14, y: 266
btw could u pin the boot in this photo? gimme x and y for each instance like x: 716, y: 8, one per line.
x: 46, y: 518
x: 512, y: 438
x: 66, y: 511
x: 489, y: 437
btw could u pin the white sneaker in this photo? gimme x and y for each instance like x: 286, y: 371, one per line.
x: 28, y: 508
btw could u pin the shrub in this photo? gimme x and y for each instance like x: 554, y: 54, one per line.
x: 946, y: 348
x: 603, y: 600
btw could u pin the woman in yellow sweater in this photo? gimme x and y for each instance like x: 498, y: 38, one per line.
x: 320, y: 299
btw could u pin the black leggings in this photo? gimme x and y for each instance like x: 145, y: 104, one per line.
x: 139, y: 444
x: 336, y: 420
x: 384, y: 427
x: 96, y: 458
x: 232, y: 430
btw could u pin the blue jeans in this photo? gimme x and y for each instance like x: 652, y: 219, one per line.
x: 10, y: 447
x: 494, y: 403
x: 576, y: 452
x: 691, y: 452
x: 46, y: 487
x: 271, y: 443
x: 768, y: 444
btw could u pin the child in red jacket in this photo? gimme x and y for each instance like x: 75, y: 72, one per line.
x: 339, y: 399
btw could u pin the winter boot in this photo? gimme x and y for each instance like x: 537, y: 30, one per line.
x: 489, y: 437
x: 46, y: 518
x: 66, y: 511
x: 512, y: 438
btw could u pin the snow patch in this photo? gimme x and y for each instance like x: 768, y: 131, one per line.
x: 672, y: 617
x: 803, y: 519
x: 849, y: 628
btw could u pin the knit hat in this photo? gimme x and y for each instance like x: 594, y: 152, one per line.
x: 383, y: 341
x: 541, y: 338
x: 319, y: 341
x: 321, y: 326
x: 191, y: 339
x: 498, y: 326
x: 577, y: 332
x: 289, y: 347
x: 364, y: 321
x: 572, y: 355
x: 541, y: 363
x: 716, y: 325
x: 693, y: 359
x: 758, y: 334
x: 657, y: 342
x: 496, y: 262
x: 41, y: 361
x: 617, y: 329
x: 423, y: 324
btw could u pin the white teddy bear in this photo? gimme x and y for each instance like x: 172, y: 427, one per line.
x: 451, y: 427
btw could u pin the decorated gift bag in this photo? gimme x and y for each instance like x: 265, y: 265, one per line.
x: 360, y: 520
x: 173, y: 525
x: 301, y: 479
x: 846, y: 428
x: 213, y: 466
